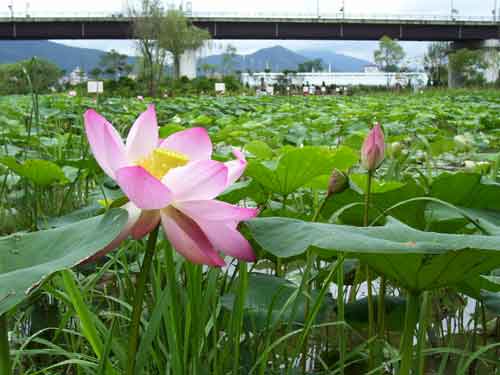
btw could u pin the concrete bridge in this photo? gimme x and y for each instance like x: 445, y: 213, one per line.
x: 464, y: 32
x: 261, y: 26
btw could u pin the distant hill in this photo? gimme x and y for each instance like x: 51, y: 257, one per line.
x: 338, y: 62
x: 65, y: 57
x: 279, y: 58
x: 275, y: 58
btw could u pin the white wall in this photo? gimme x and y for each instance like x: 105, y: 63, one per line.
x: 188, y: 64
x: 339, y: 79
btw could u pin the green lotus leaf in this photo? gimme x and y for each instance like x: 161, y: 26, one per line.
x: 414, y: 259
x: 40, y: 172
x: 299, y: 166
x: 27, y: 259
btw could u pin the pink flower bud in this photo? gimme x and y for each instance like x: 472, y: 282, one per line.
x: 338, y: 182
x: 372, y: 152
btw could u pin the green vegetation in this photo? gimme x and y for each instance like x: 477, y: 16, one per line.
x: 161, y: 34
x: 436, y: 62
x: 228, y: 59
x: 423, y: 230
x: 40, y: 75
x: 469, y: 65
x: 113, y: 64
x: 129, y: 88
x: 179, y: 36
x: 389, y: 55
x: 315, y: 65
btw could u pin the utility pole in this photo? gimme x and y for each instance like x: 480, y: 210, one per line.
x: 317, y: 8
x: 125, y: 7
x: 11, y: 8
x: 495, y: 10
x: 453, y: 11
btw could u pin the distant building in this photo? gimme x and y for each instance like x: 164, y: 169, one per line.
x: 339, y: 79
x: 372, y: 68
x: 77, y: 76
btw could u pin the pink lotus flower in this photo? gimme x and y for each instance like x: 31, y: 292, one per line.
x: 173, y: 181
x: 72, y: 93
x: 372, y: 152
x: 140, y: 97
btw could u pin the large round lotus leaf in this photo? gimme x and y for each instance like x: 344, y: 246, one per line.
x: 300, y: 166
x: 469, y: 190
x: 27, y: 259
x: 416, y: 260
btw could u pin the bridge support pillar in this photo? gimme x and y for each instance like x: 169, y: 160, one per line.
x: 491, y: 50
x: 492, y: 58
x: 188, y: 64
x: 455, y: 78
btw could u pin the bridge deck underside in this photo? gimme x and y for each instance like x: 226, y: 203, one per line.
x: 257, y: 30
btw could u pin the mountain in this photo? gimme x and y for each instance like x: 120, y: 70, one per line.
x: 338, y: 62
x: 279, y: 58
x: 275, y: 58
x: 64, y: 56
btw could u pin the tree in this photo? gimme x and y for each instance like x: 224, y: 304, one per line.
x: 467, y: 66
x: 96, y: 73
x: 178, y: 36
x: 435, y: 61
x: 208, y: 69
x: 19, y: 78
x: 228, y: 59
x: 148, y: 33
x: 389, y: 55
x: 115, y: 64
x: 315, y: 65
x: 42, y: 73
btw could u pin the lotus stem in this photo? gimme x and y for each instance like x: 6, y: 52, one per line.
x: 381, y: 320
x: 422, y: 329
x: 175, y: 337
x: 484, y: 334
x: 138, y: 301
x: 367, y: 198
x: 309, y: 263
x: 239, y: 315
x: 371, y: 315
x: 5, y: 366
x: 411, y: 319
x: 381, y: 307
x: 340, y: 313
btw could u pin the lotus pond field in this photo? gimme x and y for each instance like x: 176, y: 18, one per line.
x: 243, y: 235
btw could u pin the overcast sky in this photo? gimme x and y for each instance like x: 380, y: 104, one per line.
x: 357, y: 49
x: 466, y: 7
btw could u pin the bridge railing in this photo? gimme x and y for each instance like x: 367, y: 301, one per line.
x: 341, y: 15
x: 266, y: 15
